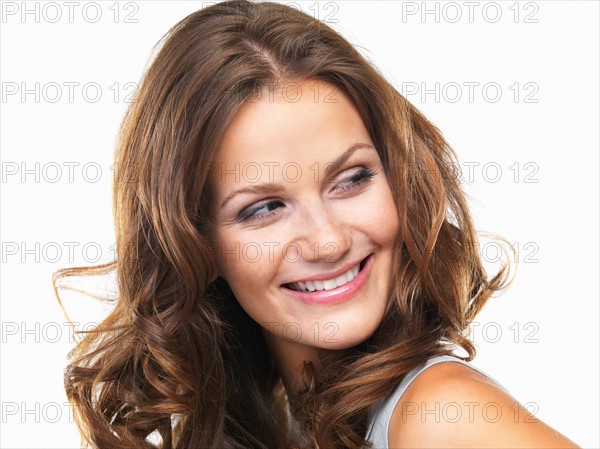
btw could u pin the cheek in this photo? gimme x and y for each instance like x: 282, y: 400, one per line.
x: 380, y: 215
x: 244, y: 279
x: 243, y: 263
x: 246, y: 264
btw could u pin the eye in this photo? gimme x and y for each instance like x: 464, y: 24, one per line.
x: 357, y: 179
x: 260, y: 211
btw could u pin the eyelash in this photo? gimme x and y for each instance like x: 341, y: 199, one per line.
x: 360, y: 177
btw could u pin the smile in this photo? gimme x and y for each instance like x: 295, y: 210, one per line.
x: 332, y: 289
x: 326, y: 284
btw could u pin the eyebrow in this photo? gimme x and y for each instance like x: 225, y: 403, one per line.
x: 271, y: 187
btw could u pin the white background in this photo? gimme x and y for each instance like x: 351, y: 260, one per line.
x: 551, y: 363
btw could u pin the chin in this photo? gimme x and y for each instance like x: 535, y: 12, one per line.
x: 348, y: 339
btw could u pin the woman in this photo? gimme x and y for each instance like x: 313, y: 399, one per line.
x: 296, y: 261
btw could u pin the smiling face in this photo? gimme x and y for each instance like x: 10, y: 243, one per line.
x: 304, y: 220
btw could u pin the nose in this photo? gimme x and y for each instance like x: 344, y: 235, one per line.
x: 324, y: 234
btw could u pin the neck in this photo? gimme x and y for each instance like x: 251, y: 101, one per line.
x: 289, y: 357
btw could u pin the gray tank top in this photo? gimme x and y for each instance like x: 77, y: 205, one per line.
x: 381, y: 411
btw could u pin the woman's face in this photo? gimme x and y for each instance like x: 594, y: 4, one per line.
x: 304, y: 219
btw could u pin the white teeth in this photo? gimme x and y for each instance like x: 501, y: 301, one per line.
x: 328, y: 284
x: 341, y: 280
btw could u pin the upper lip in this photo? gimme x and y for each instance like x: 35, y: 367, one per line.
x: 329, y: 275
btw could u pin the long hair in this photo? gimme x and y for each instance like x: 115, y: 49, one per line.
x: 178, y: 363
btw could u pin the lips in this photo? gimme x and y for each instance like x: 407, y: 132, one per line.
x: 318, y: 283
x: 326, y: 284
x: 323, y: 291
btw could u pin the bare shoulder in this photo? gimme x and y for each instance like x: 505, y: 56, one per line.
x: 453, y: 406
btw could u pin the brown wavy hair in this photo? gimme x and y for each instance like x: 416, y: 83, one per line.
x: 178, y: 363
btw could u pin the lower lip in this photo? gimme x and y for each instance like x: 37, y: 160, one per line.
x: 338, y: 294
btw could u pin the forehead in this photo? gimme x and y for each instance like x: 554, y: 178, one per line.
x: 300, y: 122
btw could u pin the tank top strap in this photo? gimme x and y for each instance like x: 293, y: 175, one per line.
x: 381, y: 411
